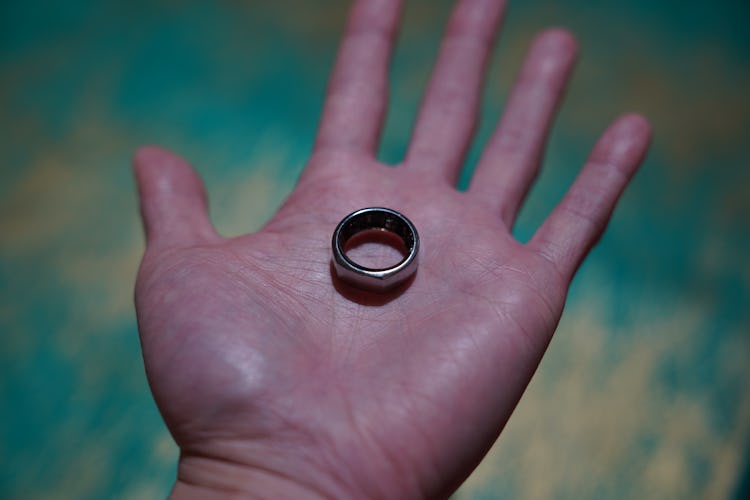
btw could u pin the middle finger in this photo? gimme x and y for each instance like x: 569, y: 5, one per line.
x: 448, y: 114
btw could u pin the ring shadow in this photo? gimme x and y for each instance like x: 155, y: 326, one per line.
x: 367, y: 297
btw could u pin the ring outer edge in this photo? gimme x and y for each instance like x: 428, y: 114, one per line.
x: 378, y: 280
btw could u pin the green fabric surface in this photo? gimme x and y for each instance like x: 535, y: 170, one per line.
x: 643, y: 393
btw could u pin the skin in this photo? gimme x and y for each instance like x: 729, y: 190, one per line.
x: 277, y: 380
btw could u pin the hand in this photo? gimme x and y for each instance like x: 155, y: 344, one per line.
x: 276, y: 380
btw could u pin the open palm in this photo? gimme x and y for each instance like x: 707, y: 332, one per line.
x: 277, y: 380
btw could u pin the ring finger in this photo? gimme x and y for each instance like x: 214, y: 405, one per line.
x: 510, y: 162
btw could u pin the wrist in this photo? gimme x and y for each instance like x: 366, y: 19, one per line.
x: 279, y: 470
x: 199, y: 478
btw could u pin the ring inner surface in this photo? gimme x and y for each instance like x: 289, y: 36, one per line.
x: 376, y: 249
x: 377, y: 220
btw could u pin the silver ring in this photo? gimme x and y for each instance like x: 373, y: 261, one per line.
x: 384, y: 219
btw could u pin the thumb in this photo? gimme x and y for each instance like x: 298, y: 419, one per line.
x: 174, y: 205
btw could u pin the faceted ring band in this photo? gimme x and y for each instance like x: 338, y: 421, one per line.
x: 377, y: 218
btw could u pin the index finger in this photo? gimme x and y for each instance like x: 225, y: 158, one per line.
x: 358, y: 90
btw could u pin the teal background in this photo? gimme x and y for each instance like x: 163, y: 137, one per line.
x: 644, y: 391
